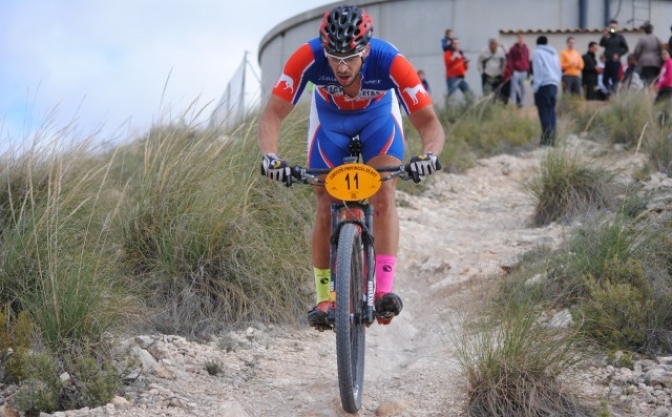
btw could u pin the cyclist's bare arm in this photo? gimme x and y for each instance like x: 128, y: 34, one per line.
x: 430, y: 129
x: 275, y: 112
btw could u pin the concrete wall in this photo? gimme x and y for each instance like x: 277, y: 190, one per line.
x: 417, y: 26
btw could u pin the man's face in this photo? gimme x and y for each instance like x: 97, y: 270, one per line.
x: 593, y: 49
x: 570, y: 43
x: 456, y: 44
x: 613, y: 27
x: 521, y: 39
x: 346, y: 67
x: 493, y: 46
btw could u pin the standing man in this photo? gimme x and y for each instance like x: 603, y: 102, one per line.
x: 571, y: 63
x: 357, y: 80
x: 613, y: 42
x: 648, y: 55
x: 456, y: 69
x: 519, y: 67
x: 591, y: 71
x: 491, y: 63
x: 547, y: 74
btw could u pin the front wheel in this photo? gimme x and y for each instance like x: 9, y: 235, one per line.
x: 350, y: 327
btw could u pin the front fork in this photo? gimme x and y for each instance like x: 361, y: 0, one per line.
x: 362, y: 216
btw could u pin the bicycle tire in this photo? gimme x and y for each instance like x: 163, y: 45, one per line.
x: 349, y: 326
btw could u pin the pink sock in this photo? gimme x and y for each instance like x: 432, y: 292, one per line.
x: 385, y: 265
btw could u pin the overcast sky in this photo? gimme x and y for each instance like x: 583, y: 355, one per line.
x: 122, y: 64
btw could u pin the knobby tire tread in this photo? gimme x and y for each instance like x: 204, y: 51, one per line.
x: 350, y: 335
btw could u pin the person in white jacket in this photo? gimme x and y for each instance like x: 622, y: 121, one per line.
x: 547, y: 74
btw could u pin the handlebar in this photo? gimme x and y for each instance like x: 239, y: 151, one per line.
x: 301, y: 175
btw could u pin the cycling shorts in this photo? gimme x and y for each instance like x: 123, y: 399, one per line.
x: 331, y: 130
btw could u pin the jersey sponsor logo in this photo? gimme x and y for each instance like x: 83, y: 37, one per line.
x: 414, y: 91
x: 289, y: 82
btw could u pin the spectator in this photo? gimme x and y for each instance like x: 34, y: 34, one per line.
x: 602, y: 90
x: 518, y: 63
x: 456, y: 69
x: 631, y: 79
x: 423, y: 79
x: 647, y: 55
x: 664, y: 85
x: 612, y: 72
x: 613, y: 42
x: 447, y: 40
x: 590, y: 72
x: 571, y: 63
x: 491, y: 63
x: 547, y: 74
x: 669, y: 41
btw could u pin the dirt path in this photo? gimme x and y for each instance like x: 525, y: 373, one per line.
x: 464, y: 228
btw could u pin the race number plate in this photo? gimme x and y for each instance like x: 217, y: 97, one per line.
x: 352, y: 182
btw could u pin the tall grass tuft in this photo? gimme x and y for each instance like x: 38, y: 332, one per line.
x: 489, y: 128
x: 209, y: 240
x: 513, y: 364
x: 59, y: 269
x: 625, y: 117
x: 567, y: 186
x: 57, y: 261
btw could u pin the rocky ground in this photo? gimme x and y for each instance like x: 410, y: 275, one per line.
x: 455, y: 238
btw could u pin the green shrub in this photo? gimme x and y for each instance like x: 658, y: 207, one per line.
x: 619, y: 311
x: 567, y: 186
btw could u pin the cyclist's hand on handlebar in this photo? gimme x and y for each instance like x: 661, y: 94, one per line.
x: 276, y: 169
x: 424, y: 164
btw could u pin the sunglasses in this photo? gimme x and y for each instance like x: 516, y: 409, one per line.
x: 347, y: 60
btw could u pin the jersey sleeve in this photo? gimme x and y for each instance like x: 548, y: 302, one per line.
x: 293, y: 80
x: 412, y: 94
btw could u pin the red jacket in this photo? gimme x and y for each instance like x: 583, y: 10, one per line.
x: 456, y: 66
x: 518, y: 58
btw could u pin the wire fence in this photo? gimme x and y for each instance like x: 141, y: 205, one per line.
x: 239, y: 98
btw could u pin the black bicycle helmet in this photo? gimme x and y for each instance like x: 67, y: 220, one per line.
x: 345, y: 29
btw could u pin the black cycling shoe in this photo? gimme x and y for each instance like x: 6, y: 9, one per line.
x: 387, y: 306
x: 319, y: 316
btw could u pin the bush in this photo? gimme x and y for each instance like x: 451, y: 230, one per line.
x: 489, y: 128
x: 209, y: 240
x: 626, y: 117
x: 567, y: 186
x: 513, y: 363
x: 619, y: 311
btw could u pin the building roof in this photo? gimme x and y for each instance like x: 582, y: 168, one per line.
x: 567, y: 31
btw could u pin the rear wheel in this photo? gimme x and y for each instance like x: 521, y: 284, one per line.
x: 350, y: 327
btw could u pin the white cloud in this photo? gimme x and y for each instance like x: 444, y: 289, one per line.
x: 109, y: 61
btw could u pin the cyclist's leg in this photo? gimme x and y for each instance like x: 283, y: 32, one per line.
x: 325, y: 150
x: 383, y: 145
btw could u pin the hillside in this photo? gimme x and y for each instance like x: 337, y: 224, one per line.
x: 455, y: 239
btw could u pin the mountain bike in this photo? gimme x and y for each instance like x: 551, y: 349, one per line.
x: 352, y: 260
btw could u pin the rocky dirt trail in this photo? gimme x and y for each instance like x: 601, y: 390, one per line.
x: 454, y: 238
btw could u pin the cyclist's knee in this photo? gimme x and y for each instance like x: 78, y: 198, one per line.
x: 385, y: 198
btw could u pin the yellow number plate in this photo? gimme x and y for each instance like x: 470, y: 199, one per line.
x: 352, y: 182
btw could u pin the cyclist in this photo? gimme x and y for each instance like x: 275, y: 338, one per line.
x: 358, y: 80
